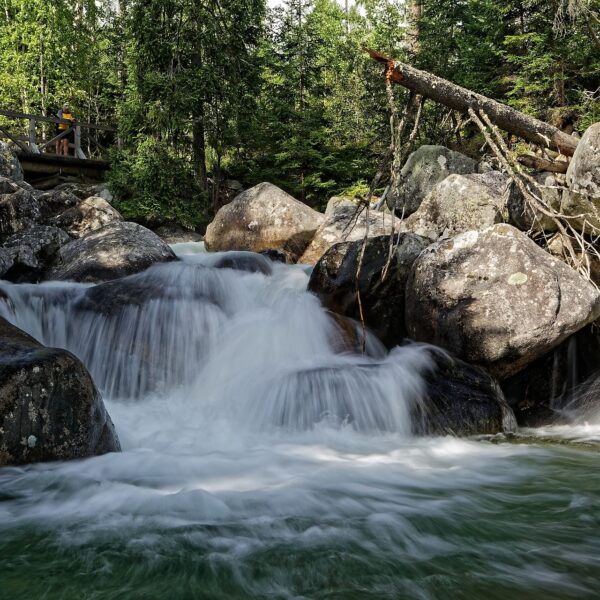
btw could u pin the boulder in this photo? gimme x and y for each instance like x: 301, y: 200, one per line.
x: 32, y: 251
x: 55, y: 202
x: 333, y: 280
x: 8, y: 186
x: 346, y: 222
x: 119, y: 249
x: 583, y: 175
x: 496, y: 299
x: 275, y: 255
x: 251, y: 262
x: 423, y: 170
x: 461, y: 400
x: 7, y: 260
x: 583, y: 180
x: 337, y: 201
x: 18, y: 210
x: 260, y: 218
x: 526, y: 218
x: 49, y: 406
x: 86, y: 216
x: 175, y: 234
x: 460, y: 203
x: 85, y: 190
x: 9, y: 163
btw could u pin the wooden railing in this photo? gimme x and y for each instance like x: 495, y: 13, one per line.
x: 31, y: 143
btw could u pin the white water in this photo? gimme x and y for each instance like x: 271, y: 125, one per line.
x: 251, y: 438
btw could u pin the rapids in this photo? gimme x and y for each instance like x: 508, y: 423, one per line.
x: 262, y: 459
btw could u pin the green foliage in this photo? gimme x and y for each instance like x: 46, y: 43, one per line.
x: 56, y: 52
x: 154, y: 185
x: 203, y: 91
x: 321, y: 119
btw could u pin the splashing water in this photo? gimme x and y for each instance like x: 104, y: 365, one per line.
x: 264, y: 458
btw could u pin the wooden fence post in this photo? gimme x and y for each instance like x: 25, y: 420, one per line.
x: 78, y: 151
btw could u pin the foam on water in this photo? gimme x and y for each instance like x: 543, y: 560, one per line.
x: 263, y: 458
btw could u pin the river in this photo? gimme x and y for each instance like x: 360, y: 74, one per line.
x: 261, y: 461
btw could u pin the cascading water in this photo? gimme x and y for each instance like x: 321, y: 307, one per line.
x: 263, y: 458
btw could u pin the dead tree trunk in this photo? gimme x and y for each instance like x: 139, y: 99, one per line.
x: 459, y: 98
x: 543, y: 164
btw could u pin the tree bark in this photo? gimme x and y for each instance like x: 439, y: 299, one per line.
x: 414, y: 13
x: 459, y: 98
x: 199, y: 150
x: 543, y: 164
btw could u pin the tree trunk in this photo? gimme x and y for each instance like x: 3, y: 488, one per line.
x: 414, y: 12
x: 199, y: 149
x: 459, y: 98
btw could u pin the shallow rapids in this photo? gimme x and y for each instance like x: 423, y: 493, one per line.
x: 264, y: 459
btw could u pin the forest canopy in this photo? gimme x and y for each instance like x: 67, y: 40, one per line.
x: 207, y: 90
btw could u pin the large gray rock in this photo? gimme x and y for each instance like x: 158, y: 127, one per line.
x: 8, y: 185
x: 119, y: 249
x: 583, y: 181
x: 333, y: 280
x: 526, y: 217
x: 86, y: 216
x: 346, y: 222
x: 18, y: 210
x: 494, y: 298
x: 55, y: 202
x: 261, y: 218
x: 49, y: 406
x: 423, y: 170
x: 460, y: 203
x: 85, y: 190
x: 32, y: 251
x: 583, y: 175
x: 175, y: 234
x: 9, y: 163
x: 461, y: 400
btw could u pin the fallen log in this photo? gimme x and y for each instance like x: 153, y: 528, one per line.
x: 543, y: 164
x: 459, y: 98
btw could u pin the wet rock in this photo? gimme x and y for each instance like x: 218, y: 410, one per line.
x: 49, y: 406
x: 32, y: 251
x: 251, y: 262
x: 333, y: 280
x: 260, y: 218
x: 460, y: 203
x: 423, y: 170
x: 541, y: 393
x: 494, y: 298
x: 175, y: 234
x: 276, y: 255
x: 18, y: 210
x: 346, y: 222
x: 86, y: 216
x: 9, y: 163
x: 119, y: 249
x: 460, y: 400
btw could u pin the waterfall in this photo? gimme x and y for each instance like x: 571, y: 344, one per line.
x: 249, y: 347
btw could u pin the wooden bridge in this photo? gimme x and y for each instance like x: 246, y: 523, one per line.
x: 35, y: 137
